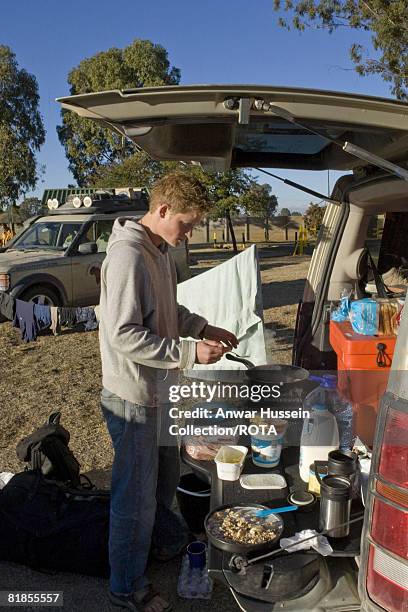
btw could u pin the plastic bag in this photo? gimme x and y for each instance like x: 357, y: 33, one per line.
x: 320, y: 543
x: 204, y: 448
x: 364, y: 316
x: 388, y: 310
x: 341, y: 313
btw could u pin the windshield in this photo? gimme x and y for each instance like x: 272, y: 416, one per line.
x: 48, y: 235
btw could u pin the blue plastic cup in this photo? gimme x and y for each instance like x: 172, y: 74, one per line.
x: 197, y: 554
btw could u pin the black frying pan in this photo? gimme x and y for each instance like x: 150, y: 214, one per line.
x: 272, y: 373
x: 237, y: 547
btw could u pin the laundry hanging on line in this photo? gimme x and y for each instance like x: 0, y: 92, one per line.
x: 32, y: 318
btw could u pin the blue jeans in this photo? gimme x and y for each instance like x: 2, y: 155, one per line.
x: 145, y: 475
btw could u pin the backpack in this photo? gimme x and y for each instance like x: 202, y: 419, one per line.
x: 50, y: 527
x: 47, y: 449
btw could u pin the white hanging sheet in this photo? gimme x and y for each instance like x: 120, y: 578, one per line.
x: 230, y: 296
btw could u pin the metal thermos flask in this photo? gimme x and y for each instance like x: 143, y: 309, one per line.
x: 335, y: 505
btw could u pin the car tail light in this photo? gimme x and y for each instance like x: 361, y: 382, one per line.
x: 4, y: 282
x: 390, y: 528
x: 394, y: 449
x: 387, y: 572
x: 387, y: 581
x: 395, y: 495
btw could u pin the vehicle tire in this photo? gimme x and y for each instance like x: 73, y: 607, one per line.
x: 41, y: 294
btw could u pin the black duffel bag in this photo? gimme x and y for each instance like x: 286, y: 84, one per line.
x: 50, y: 527
x: 47, y: 449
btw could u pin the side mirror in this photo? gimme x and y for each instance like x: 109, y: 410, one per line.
x: 88, y: 248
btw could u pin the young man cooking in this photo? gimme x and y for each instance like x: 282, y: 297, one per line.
x: 140, y: 328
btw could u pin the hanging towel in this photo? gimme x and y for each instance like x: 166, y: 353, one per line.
x: 230, y: 296
x: 25, y: 320
x: 54, y: 320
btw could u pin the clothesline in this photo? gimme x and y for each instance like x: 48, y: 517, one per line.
x: 32, y: 318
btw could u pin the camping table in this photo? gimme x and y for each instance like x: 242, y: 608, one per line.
x: 224, y: 492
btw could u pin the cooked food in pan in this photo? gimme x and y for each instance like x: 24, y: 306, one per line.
x: 240, y: 524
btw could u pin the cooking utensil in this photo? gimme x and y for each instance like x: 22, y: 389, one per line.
x: 274, y: 520
x: 239, y: 563
x: 265, y: 513
x: 271, y: 373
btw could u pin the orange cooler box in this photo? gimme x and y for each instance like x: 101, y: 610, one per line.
x: 363, y: 364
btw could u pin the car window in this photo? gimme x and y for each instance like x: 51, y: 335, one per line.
x: 388, y: 246
x: 99, y: 232
x: 102, y: 231
x: 394, y: 244
x: 48, y: 235
x: 89, y: 235
x: 67, y: 234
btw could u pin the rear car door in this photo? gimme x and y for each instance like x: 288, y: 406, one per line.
x: 226, y: 126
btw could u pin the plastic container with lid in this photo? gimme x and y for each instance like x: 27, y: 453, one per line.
x: 266, y: 447
x: 337, y: 403
x: 363, y: 367
x: 320, y: 433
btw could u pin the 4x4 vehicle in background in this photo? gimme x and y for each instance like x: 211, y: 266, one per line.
x: 57, y: 258
x: 224, y: 126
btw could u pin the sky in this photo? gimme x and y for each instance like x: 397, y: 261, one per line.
x: 212, y: 41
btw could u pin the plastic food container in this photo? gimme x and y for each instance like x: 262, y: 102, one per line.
x: 262, y: 481
x: 230, y: 461
x: 266, y: 448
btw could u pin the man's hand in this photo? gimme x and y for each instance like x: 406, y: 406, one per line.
x: 209, y: 351
x: 220, y: 335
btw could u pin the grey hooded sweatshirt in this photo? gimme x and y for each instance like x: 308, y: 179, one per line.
x: 140, y: 320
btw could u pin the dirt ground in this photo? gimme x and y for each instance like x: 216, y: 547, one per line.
x: 63, y: 373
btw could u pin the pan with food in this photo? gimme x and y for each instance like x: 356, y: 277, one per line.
x: 237, y: 529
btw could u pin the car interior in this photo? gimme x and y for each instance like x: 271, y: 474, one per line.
x: 370, y: 219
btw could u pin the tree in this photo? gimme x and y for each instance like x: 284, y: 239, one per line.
x: 225, y: 190
x: 285, y: 212
x: 387, y: 21
x: 296, y: 213
x: 313, y: 218
x: 139, y: 170
x: 88, y: 146
x: 260, y: 202
x: 30, y: 207
x: 21, y: 129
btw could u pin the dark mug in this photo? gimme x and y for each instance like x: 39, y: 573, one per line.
x: 197, y: 554
x: 342, y: 463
